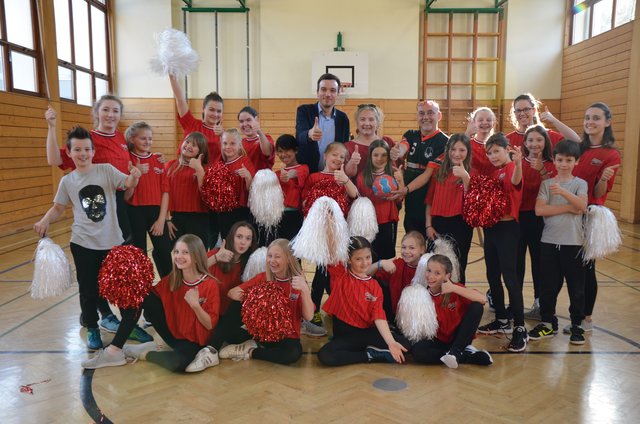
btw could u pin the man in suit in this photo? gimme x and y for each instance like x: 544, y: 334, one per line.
x: 319, y: 124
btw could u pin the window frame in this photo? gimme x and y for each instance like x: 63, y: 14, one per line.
x: 589, y: 4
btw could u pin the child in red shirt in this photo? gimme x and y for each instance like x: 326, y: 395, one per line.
x: 479, y: 128
x: 293, y: 177
x: 360, y: 330
x: 459, y: 310
x: 257, y: 144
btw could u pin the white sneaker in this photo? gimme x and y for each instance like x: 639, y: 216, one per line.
x: 138, y: 351
x: 534, y: 313
x: 238, y: 352
x: 310, y: 329
x: 587, y: 326
x: 103, y: 358
x: 207, y: 357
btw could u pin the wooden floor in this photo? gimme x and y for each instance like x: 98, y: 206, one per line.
x: 553, y: 382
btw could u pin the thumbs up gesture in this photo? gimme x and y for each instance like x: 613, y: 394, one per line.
x: 224, y: 254
x: 217, y: 128
x: 547, y: 116
x: 143, y: 167
x: 243, y: 172
x: 315, y: 133
x: 133, y: 171
x: 196, y: 163
x: 340, y: 176
x: 355, y: 158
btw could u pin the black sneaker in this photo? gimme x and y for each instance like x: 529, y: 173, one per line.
x: 375, y: 354
x: 452, y: 358
x: 496, y: 326
x: 577, y: 335
x: 474, y: 356
x: 519, y: 340
x: 542, y: 331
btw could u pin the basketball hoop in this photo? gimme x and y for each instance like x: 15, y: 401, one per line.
x: 344, y: 90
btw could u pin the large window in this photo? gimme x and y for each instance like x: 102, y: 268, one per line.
x: 18, y: 58
x: 83, y: 49
x: 593, y: 17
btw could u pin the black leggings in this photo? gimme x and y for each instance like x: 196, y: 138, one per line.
x: 590, y: 288
x: 457, y: 229
x: 500, y: 247
x: 531, y: 227
x: 227, y: 219
x: 284, y: 352
x: 88, y: 262
x: 320, y: 283
x: 430, y: 351
x: 384, y: 245
x: 349, y: 344
x: 142, y: 218
x: 290, y: 224
x: 229, y: 328
x: 196, y: 223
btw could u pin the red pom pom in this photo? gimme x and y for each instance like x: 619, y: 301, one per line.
x: 219, y: 189
x: 266, y: 311
x: 125, y: 277
x: 485, y: 202
x: 330, y: 188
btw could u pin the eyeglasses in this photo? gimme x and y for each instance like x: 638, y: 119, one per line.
x: 524, y: 110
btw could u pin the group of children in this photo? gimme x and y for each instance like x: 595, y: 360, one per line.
x: 197, y: 306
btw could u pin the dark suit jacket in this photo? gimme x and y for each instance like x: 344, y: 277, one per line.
x: 308, y: 152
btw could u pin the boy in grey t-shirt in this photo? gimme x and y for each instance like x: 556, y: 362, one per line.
x: 561, y: 201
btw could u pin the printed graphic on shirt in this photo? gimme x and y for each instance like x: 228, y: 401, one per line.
x: 94, y: 202
x: 369, y: 297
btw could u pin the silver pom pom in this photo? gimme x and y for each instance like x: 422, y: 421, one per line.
x: 324, y: 236
x: 174, y: 54
x: 416, y: 315
x: 362, y: 219
x: 266, y: 199
x: 256, y: 264
x: 602, y: 234
x: 420, y: 277
x: 445, y: 246
x: 52, y: 273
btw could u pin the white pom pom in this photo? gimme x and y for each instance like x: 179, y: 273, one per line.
x: 174, y: 54
x: 362, y: 219
x: 256, y: 264
x: 324, y: 236
x: 445, y: 246
x: 266, y: 199
x: 420, y: 277
x: 602, y: 234
x: 52, y: 273
x: 416, y: 315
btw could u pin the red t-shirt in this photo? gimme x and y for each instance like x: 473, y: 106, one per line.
x: 590, y: 167
x: 181, y: 319
x: 294, y: 297
x: 227, y: 281
x: 480, y: 163
x: 240, y: 186
x: 151, y: 185
x: 449, y: 315
x: 514, y: 192
x: 364, y: 152
x: 190, y: 124
x: 356, y: 301
x: 445, y: 197
x: 109, y: 148
x: 531, y: 183
x: 184, y: 194
x: 386, y: 210
x: 313, y: 179
x: 398, y: 280
x: 292, y: 189
x: 254, y: 152
x: 517, y: 138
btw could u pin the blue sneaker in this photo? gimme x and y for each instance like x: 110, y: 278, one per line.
x: 94, y: 341
x: 109, y: 323
x: 139, y: 335
x: 376, y: 354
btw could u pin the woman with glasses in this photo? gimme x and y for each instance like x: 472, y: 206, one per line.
x: 368, y: 120
x: 524, y: 113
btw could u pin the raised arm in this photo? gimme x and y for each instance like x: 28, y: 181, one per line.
x: 562, y: 128
x: 53, y: 151
x: 178, y: 94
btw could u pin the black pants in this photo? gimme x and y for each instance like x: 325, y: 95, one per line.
x: 590, y: 288
x: 142, y: 218
x: 531, y: 227
x: 457, y: 229
x: 284, y: 352
x: 320, y: 283
x: 430, y: 351
x: 227, y: 219
x: 88, y: 263
x: 265, y: 235
x: 123, y: 216
x: 562, y: 262
x: 213, y: 230
x: 290, y: 224
x: 415, y: 224
x: 500, y: 247
x: 349, y: 344
x: 229, y: 328
x: 384, y: 245
x: 196, y: 223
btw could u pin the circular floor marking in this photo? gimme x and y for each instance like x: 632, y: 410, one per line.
x: 390, y: 384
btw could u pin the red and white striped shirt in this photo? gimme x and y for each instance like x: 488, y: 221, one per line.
x: 151, y: 185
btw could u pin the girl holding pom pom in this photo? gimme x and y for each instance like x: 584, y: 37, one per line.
x: 258, y: 145
x: 189, y: 215
x: 459, y: 311
x: 285, y: 270
x: 445, y: 198
x: 149, y: 203
x: 361, y: 333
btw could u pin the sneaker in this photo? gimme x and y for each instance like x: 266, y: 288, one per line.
x: 577, y: 335
x: 496, y: 326
x: 534, y: 313
x: 146, y: 324
x: 138, y: 351
x: 110, y: 323
x: 490, y: 301
x: 317, y: 319
x: 452, y: 358
x: 103, y: 358
x: 207, y: 357
x: 375, y: 354
x: 139, y: 335
x: 474, y: 356
x: 310, y: 329
x: 94, y: 341
x: 519, y: 340
x: 587, y: 326
x: 542, y: 331
x: 238, y: 352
